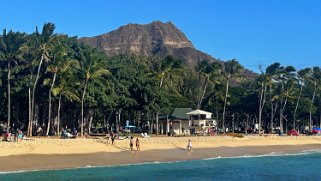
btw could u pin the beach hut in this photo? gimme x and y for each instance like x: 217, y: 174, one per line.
x: 177, y: 123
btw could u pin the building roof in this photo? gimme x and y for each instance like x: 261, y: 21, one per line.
x: 180, y: 113
x: 198, y: 112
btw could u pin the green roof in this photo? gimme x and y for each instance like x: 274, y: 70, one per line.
x: 180, y: 113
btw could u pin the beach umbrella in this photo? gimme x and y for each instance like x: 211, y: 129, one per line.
x: 130, y: 126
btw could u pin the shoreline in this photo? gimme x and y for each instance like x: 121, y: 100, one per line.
x: 81, y: 153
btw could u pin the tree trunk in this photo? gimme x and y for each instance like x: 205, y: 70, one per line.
x: 225, y: 100
x: 261, y: 106
x: 49, y: 104
x: 30, y: 113
x: 33, y: 94
x: 58, y: 113
x: 282, y: 107
x: 29, y: 106
x: 91, y: 118
x: 161, y: 81
x: 82, y: 110
x: 118, y: 120
x: 281, y: 116
x: 203, y: 94
x: 152, y: 125
x: 247, y: 122
x: 273, y: 111
x: 296, y: 106
x: 157, y: 123
x: 9, y: 94
x: 233, y: 122
x: 272, y: 116
x: 311, y: 104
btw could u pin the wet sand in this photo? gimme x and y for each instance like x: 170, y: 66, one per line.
x: 170, y: 149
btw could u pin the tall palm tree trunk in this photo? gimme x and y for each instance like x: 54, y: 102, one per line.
x: 311, y: 104
x: 49, y: 104
x: 262, y: 102
x: 203, y: 94
x: 157, y: 123
x: 225, y: 101
x: 9, y: 94
x: 273, y: 112
x: 82, y: 110
x: 281, y: 118
x: 29, y: 110
x: 282, y: 107
x: 33, y: 94
x: 58, y: 117
x: 296, y: 106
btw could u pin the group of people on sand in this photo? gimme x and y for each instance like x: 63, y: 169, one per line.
x: 65, y: 134
x: 113, y: 136
x: 131, y: 144
x: 12, y: 135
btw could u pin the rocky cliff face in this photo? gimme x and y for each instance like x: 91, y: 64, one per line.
x: 152, y: 39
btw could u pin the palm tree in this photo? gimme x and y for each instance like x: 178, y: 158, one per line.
x: 10, y: 44
x: 232, y: 69
x: 286, y: 89
x: 272, y: 73
x: 167, y: 67
x: 42, y: 46
x: 60, y: 62
x: 67, y: 81
x: 93, y: 70
x: 208, y: 70
x: 302, y: 77
x: 263, y: 85
x: 315, y: 81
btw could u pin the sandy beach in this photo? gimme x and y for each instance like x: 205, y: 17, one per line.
x: 50, y: 153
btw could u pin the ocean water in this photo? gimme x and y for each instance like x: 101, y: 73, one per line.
x: 302, y: 166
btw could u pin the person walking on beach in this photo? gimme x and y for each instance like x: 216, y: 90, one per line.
x: 137, y: 144
x: 189, y: 144
x: 131, y: 143
x: 112, y: 135
x: 107, y: 138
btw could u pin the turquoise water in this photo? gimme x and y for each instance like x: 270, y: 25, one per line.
x: 302, y: 166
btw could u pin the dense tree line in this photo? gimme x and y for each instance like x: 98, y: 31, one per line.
x: 52, y: 80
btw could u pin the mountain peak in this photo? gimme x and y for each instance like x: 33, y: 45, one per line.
x: 153, y: 39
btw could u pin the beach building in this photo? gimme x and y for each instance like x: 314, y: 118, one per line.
x: 186, y: 121
x: 200, y: 122
x: 177, y: 123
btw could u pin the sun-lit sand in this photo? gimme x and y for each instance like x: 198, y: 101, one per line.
x: 92, y: 145
x: 48, y: 153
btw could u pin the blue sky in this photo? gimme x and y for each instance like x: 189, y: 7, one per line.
x: 255, y: 32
